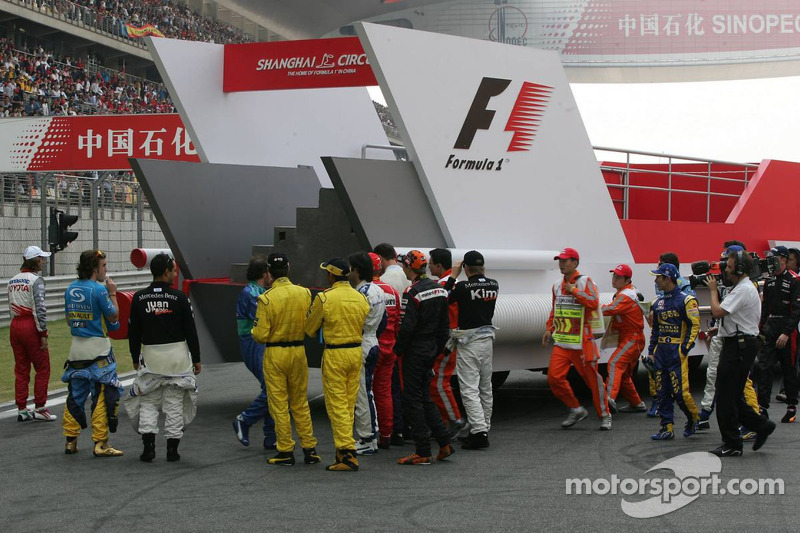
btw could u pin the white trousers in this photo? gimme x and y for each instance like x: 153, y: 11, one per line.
x: 474, y: 368
x: 366, y: 415
x: 714, y: 349
x: 168, y: 399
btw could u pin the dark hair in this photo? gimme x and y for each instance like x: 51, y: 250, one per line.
x: 160, y: 264
x: 257, y: 267
x: 670, y: 258
x: 30, y: 264
x: 728, y: 244
x: 88, y: 262
x: 744, y: 261
x: 279, y: 271
x: 442, y: 256
x: 796, y: 253
x: 361, y: 263
x: 386, y: 251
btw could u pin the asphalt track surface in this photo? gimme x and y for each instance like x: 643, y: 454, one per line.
x: 518, y: 484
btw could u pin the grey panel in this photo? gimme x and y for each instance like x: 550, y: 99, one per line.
x: 214, y: 308
x: 385, y: 201
x: 212, y: 215
x: 321, y: 234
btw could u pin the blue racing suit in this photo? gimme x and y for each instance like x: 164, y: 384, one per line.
x: 676, y: 323
x: 253, y: 357
x: 684, y: 285
x: 90, y: 368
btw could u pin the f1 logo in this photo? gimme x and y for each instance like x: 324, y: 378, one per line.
x: 524, y: 118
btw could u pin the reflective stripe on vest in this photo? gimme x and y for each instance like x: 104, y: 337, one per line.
x: 568, y: 317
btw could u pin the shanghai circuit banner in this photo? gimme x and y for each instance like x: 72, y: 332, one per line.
x: 98, y: 142
x: 310, y: 64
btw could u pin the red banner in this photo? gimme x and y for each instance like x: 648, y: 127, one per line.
x: 99, y: 142
x: 311, y: 64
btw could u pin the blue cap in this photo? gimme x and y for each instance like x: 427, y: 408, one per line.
x: 732, y: 249
x: 666, y: 269
x: 779, y: 250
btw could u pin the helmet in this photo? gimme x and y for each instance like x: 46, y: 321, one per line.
x: 415, y: 260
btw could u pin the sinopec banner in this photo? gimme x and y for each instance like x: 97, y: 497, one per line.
x: 105, y: 142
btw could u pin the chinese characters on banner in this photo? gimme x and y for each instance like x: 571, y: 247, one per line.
x: 92, y: 142
x: 648, y: 27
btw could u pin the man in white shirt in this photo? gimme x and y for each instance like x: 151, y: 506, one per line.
x: 392, y: 272
x: 740, y: 313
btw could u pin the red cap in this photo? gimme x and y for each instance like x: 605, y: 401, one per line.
x: 568, y: 253
x: 376, y: 263
x: 623, y: 270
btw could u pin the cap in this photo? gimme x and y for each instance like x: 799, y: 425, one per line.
x: 732, y: 249
x: 473, y: 258
x: 35, y: 251
x: 568, y: 253
x: 623, y: 270
x: 277, y: 260
x: 666, y: 269
x: 336, y: 266
x: 779, y: 250
x: 415, y: 260
x: 376, y: 262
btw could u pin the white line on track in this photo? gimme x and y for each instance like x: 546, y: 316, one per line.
x: 12, y: 411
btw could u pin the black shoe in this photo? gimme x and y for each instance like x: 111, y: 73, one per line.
x: 761, y: 437
x: 149, y: 453
x: 726, y: 451
x: 310, y: 456
x: 781, y: 396
x: 476, y: 441
x: 397, y: 440
x: 791, y: 415
x: 172, y: 450
x: 283, y: 459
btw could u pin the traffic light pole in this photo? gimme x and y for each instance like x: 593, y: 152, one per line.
x: 53, y: 249
x: 96, y: 197
x: 43, y: 213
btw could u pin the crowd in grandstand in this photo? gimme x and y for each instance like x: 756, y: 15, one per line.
x: 175, y: 20
x: 37, y: 83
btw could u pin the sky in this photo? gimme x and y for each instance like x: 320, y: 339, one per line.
x: 743, y: 121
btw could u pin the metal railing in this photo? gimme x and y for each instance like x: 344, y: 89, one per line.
x: 113, y: 215
x: 89, y: 17
x: 742, y: 173
x: 56, y: 285
x: 398, y: 150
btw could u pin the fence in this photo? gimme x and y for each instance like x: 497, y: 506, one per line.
x: 113, y: 216
x: 54, y: 295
